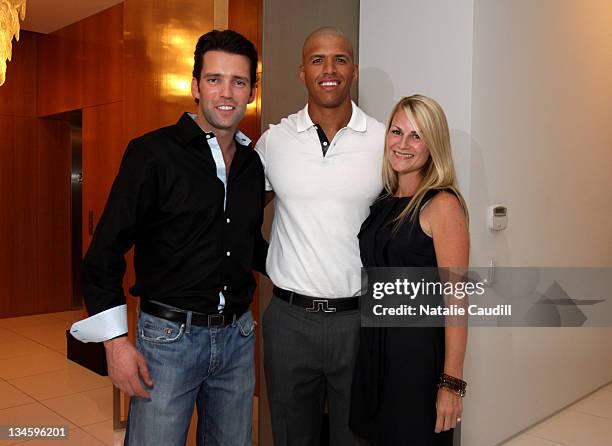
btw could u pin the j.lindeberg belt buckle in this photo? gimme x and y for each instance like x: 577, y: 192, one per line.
x: 321, y: 305
x: 215, y: 320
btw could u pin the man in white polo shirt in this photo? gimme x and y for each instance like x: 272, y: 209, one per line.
x: 323, y: 165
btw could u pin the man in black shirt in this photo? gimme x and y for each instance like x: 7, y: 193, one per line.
x: 189, y: 198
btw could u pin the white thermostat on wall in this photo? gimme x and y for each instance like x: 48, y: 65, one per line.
x: 498, y: 217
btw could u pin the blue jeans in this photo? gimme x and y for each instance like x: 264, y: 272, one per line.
x: 210, y: 367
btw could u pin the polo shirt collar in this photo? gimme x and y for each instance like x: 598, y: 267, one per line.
x: 241, y: 138
x: 188, y: 129
x: 356, y: 123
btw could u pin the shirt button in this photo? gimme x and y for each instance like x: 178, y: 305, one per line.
x: 224, y: 287
x: 227, y: 253
x: 208, y: 136
x: 324, y: 143
x: 227, y: 220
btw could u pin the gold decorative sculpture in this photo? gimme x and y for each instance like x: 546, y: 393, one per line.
x: 10, y: 13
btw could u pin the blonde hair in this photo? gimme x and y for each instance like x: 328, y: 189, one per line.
x: 438, y: 173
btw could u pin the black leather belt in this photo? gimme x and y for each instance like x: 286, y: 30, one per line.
x: 200, y: 319
x: 315, y: 304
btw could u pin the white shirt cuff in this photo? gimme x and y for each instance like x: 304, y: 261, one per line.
x: 102, y: 326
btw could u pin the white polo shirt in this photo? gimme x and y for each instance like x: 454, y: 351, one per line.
x: 320, y: 201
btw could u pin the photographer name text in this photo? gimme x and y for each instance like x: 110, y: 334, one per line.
x: 442, y: 310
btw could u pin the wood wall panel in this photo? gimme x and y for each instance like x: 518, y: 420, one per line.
x: 60, y: 70
x: 245, y: 17
x: 103, y: 57
x: 7, y: 203
x: 35, y: 209
x: 25, y: 214
x: 53, y: 248
x: 159, y: 40
x: 35, y: 193
x: 77, y: 66
x: 18, y: 94
x: 220, y: 16
x: 102, y: 152
x: 80, y: 64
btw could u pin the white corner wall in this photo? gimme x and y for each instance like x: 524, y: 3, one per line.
x: 527, y: 87
x: 541, y: 133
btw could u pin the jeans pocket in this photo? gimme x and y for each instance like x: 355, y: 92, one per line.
x: 246, y: 324
x: 158, y: 330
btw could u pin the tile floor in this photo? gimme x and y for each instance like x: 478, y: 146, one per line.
x: 39, y: 386
x: 587, y: 422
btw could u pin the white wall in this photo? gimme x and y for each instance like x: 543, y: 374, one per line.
x: 415, y: 46
x: 527, y: 87
x: 541, y: 145
x: 542, y: 140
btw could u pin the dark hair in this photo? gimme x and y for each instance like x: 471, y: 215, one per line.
x: 228, y: 41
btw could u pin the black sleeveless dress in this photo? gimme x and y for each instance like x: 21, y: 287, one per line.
x: 393, y: 400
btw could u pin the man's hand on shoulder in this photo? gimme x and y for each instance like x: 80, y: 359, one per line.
x: 127, y: 366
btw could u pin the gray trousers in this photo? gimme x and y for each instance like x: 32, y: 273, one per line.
x: 308, y: 359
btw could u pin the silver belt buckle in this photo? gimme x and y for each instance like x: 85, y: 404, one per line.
x: 320, y: 305
x: 215, y: 320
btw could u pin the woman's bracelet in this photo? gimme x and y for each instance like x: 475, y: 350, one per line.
x: 452, y: 384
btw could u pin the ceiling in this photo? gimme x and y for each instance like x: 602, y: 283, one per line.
x: 45, y: 16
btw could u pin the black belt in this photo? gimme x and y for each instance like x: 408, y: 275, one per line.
x: 200, y: 319
x: 315, y: 304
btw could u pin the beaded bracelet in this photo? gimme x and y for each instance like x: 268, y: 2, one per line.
x: 452, y: 384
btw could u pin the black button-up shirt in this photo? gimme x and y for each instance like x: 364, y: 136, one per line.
x: 167, y: 201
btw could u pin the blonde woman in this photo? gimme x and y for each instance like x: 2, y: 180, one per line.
x: 408, y: 382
